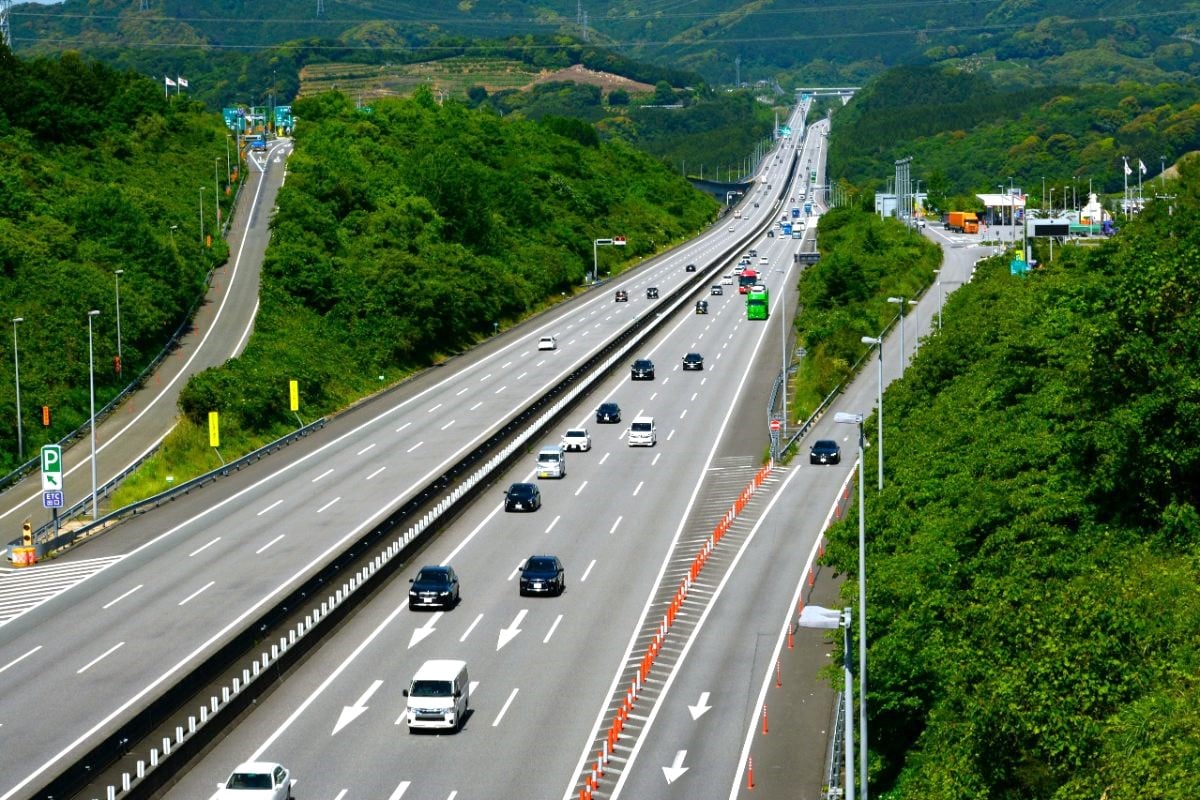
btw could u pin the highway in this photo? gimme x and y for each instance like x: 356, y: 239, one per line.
x: 179, y: 582
x: 220, y: 330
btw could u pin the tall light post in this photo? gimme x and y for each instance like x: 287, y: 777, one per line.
x: 857, y: 419
x: 878, y: 342
x: 228, y: 174
x: 828, y: 618
x: 217, y: 193
x: 117, y: 275
x: 900, y: 301
x: 17, y: 374
x: 202, y: 217
x: 917, y: 323
x: 1051, y: 201
x: 941, y: 297
x: 92, y: 405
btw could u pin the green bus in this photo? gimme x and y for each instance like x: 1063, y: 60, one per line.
x: 757, y: 302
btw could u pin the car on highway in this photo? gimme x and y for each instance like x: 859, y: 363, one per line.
x: 825, y: 451
x: 547, y: 343
x: 701, y: 306
x: 690, y: 268
x: 542, y: 575
x: 608, y: 412
x: 257, y: 780
x: 693, y: 361
x: 770, y: 234
x: 716, y: 289
x: 727, y: 280
x: 434, y: 586
x: 577, y: 439
x: 731, y: 229
x: 622, y: 296
x: 652, y: 293
x: 642, y: 432
x: 523, y: 497
x: 642, y: 370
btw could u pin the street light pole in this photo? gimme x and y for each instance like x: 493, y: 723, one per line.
x: 879, y: 411
x: 92, y: 405
x: 17, y: 374
x: 857, y: 419
x: 820, y: 617
x: 117, y: 274
x: 217, y: 193
x: 917, y: 323
x: 202, y: 217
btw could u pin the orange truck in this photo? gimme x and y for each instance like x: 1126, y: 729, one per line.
x: 962, y: 222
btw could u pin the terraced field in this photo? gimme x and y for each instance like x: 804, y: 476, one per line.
x: 452, y: 76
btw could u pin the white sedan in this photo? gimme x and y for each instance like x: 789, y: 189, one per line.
x: 547, y: 343
x: 577, y: 439
x: 257, y: 780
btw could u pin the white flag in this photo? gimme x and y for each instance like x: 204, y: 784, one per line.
x: 169, y: 81
x: 1141, y: 166
x: 1128, y: 171
x: 182, y: 81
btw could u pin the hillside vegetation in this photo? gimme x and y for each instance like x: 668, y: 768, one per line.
x: 967, y: 134
x: 1023, y: 42
x: 1032, y: 560
x: 99, y: 169
x: 409, y: 232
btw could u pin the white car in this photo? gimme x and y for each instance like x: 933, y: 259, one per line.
x: 547, y: 343
x: 727, y: 280
x: 257, y: 780
x: 577, y: 439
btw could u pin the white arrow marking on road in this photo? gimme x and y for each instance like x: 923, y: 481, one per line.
x: 676, y: 769
x: 351, y: 713
x: 423, y: 631
x: 507, y: 634
x: 700, y: 707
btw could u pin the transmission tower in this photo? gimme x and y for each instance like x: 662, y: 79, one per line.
x: 320, y: 8
x: 144, y: 6
x: 737, y: 72
x: 5, y: 33
x: 586, y: 36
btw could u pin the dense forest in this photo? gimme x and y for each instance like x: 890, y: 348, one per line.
x: 409, y: 232
x: 967, y: 134
x: 101, y: 173
x: 1032, y: 559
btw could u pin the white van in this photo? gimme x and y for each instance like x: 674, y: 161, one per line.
x: 642, y: 432
x: 552, y: 462
x: 438, y: 696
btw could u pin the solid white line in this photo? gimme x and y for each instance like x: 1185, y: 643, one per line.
x: 327, y: 505
x: 553, y: 628
x: 260, y: 550
x: 580, y: 489
x: 503, y: 710
x: 322, y: 475
x: 119, y: 599
x: 470, y: 628
x: 372, y: 444
x: 400, y: 790
x: 587, y: 571
x: 19, y: 659
x: 376, y: 472
x: 613, y: 529
x: 202, y: 548
x: 194, y: 594
x: 99, y: 658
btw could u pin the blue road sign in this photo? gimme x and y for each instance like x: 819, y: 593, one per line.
x: 52, y: 499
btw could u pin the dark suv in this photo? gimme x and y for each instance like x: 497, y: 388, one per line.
x: 608, y: 412
x: 622, y: 296
x: 652, y: 293
x: 825, y: 451
x: 434, y: 586
x: 542, y: 575
x: 523, y: 497
x: 642, y: 370
x: 693, y: 361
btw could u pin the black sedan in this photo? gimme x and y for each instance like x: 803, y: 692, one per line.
x: 542, y: 575
x: 523, y: 497
x: 690, y: 268
x: 608, y: 412
x: 434, y: 587
x: 642, y: 370
x: 652, y: 293
x: 622, y: 296
x: 693, y: 361
x: 825, y: 451
x: 701, y: 306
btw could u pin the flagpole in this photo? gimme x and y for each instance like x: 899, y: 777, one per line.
x: 1126, y: 201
